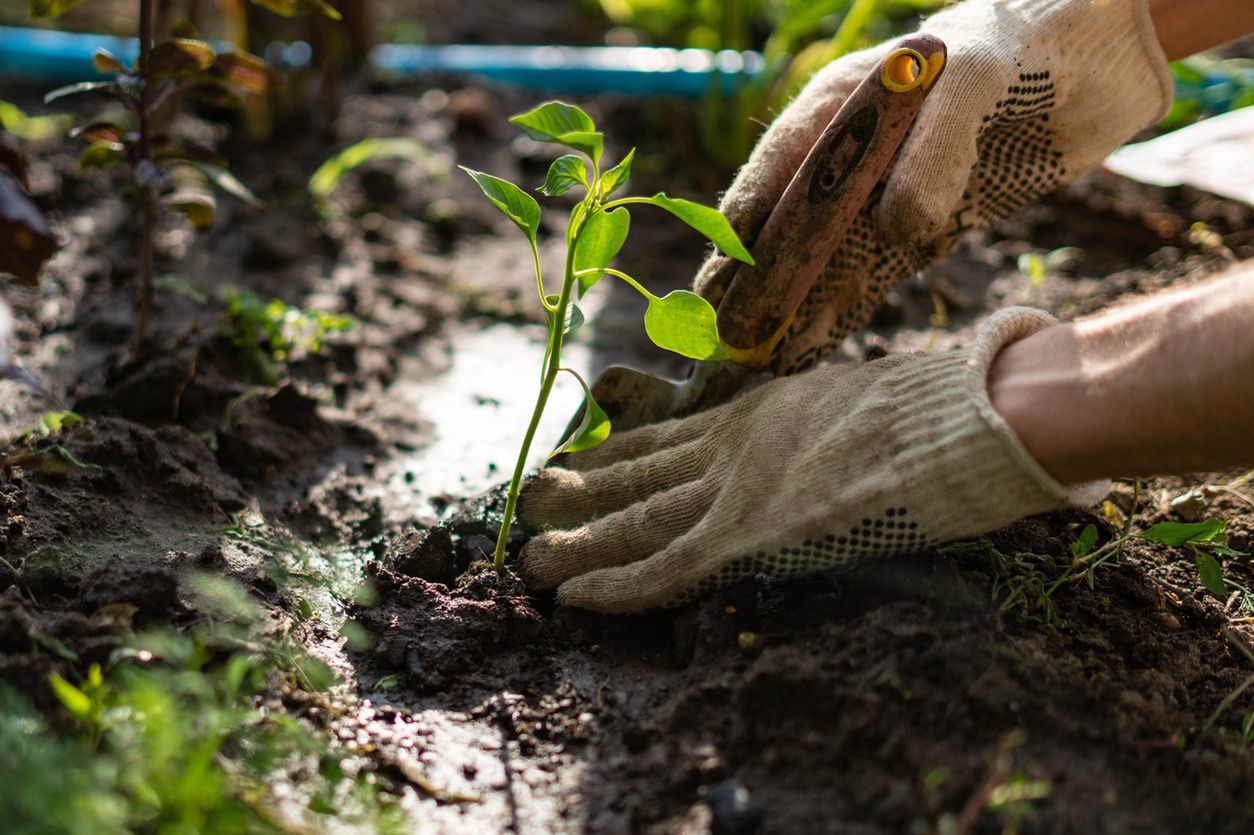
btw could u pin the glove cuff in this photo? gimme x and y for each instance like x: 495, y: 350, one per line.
x: 979, y: 474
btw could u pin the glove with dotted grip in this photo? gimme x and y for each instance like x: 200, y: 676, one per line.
x: 1035, y: 92
x: 839, y: 464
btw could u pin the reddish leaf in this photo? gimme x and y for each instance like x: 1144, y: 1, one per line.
x: 245, y: 71
x: 98, y: 132
x: 106, y: 62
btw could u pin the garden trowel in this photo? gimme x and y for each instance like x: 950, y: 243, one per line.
x: 757, y: 305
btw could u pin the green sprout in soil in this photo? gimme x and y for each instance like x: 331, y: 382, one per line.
x: 271, y: 333
x: 681, y: 321
x: 39, y: 448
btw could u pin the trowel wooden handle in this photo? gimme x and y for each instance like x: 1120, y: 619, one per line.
x: 831, y: 186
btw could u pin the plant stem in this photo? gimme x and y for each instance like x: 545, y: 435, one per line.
x: 635, y: 285
x: 148, y: 214
x: 554, y: 355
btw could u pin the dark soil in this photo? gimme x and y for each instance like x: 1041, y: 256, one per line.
x: 916, y: 696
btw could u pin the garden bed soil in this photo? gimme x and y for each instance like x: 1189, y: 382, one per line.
x: 909, y: 697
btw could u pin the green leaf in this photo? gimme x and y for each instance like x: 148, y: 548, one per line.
x: 180, y: 56
x: 55, y: 422
x: 1088, y: 537
x: 328, y: 175
x: 79, y: 88
x: 593, y: 428
x: 1209, y: 572
x: 564, y: 124
x: 565, y: 173
x: 599, y: 241
x: 1178, y: 533
x: 617, y: 176
x: 683, y: 322
x: 313, y: 674
x: 574, y: 316
x: 513, y: 202
x: 200, y: 208
x: 102, y: 155
x: 709, y: 222
x: 228, y: 182
x: 51, y: 8
x: 76, y: 701
x: 33, y: 128
x: 292, y: 8
x: 1032, y: 264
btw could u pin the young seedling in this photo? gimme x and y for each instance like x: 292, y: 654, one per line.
x: 680, y: 321
x: 1206, y: 540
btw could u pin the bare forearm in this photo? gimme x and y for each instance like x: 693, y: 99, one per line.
x: 1162, y: 386
x: 1188, y: 26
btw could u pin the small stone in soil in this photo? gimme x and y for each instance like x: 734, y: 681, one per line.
x: 733, y: 809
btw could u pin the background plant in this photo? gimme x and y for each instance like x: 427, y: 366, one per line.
x: 796, y: 38
x: 167, y: 172
x: 172, y: 735
x: 271, y: 333
x: 681, y: 321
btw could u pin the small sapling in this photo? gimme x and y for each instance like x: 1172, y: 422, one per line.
x: 165, y: 171
x: 680, y: 321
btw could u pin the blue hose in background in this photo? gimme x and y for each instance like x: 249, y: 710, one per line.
x: 46, y: 55
x: 52, y: 57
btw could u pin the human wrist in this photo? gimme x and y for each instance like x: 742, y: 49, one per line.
x: 1135, y: 391
x: 1184, y: 27
x: 1038, y: 386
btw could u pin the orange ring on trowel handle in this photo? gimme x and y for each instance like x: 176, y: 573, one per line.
x: 906, y: 69
x: 828, y: 190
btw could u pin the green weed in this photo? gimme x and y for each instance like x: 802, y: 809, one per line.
x: 1206, y: 540
x: 173, y: 735
x: 271, y: 333
x: 40, y: 449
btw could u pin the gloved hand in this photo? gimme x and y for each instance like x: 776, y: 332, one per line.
x: 1034, y: 92
x: 840, y: 464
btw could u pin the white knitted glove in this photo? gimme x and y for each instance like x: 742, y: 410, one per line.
x: 840, y: 464
x: 1034, y: 92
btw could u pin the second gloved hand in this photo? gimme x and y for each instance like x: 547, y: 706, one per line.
x: 1035, y: 92
x: 840, y: 464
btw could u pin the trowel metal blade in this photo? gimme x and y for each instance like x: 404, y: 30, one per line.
x: 632, y: 398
